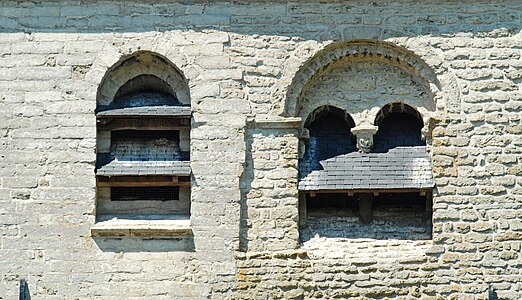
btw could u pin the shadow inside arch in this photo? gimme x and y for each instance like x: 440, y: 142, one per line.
x: 139, y: 244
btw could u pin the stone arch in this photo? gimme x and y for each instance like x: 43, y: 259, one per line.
x: 362, y: 85
x: 321, y: 110
x: 428, y: 68
x: 138, y: 64
x: 399, y: 124
x: 326, y: 134
x: 394, y: 107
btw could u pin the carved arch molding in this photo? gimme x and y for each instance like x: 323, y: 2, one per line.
x: 140, y: 63
x: 428, y: 69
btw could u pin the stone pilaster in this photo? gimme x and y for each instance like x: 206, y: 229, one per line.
x: 269, y: 187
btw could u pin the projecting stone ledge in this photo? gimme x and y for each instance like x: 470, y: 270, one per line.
x: 399, y: 168
x: 172, y: 227
x: 147, y: 111
x: 274, y: 123
x: 134, y: 168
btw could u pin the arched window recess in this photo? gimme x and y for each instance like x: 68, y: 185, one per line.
x: 388, y: 175
x: 144, y: 99
x: 143, y: 148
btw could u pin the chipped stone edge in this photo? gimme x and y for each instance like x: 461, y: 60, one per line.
x: 274, y: 123
x: 282, y: 254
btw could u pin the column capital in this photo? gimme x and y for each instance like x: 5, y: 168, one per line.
x: 365, y: 129
x: 364, y: 134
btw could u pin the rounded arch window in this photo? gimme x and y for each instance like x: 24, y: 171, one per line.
x: 399, y: 126
x: 143, y: 144
x: 329, y: 136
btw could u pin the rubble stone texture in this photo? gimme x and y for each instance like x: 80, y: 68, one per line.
x: 251, y: 68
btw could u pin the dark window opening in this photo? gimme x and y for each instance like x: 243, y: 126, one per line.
x: 331, y: 204
x: 167, y: 193
x: 384, y: 204
x: 399, y: 125
x: 393, y: 215
x: 409, y: 207
x: 144, y: 134
x: 330, y: 136
x: 143, y: 139
x: 145, y: 145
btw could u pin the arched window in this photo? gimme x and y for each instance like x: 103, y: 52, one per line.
x: 329, y: 135
x: 143, y: 145
x: 386, y: 182
x: 399, y: 126
x: 407, y: 200
x: 383, y: 189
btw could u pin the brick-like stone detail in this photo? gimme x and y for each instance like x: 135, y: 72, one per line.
x: 270, y: 190
x: 460, y: 60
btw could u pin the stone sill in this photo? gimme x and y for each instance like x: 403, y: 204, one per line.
x: 163, y: 227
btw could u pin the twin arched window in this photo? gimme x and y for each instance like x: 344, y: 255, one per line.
x: 391, y: 183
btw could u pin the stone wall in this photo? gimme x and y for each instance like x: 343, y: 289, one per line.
x: 362, y: 86
x: 246, y: 62
x: 270, y: 200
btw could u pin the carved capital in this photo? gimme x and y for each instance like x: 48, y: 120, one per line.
x: 364, y: 135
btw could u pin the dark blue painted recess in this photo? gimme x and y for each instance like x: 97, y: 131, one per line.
x: 330, y: 136
x: 330, y: 133
x: 396, y: 130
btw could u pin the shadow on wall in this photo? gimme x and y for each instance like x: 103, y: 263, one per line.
x: 135, y: 244
x: 245, y: 180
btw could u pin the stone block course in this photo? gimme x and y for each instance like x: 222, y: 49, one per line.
x: 245, y: 60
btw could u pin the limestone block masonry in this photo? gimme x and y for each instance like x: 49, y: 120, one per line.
x: 255, y: 69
